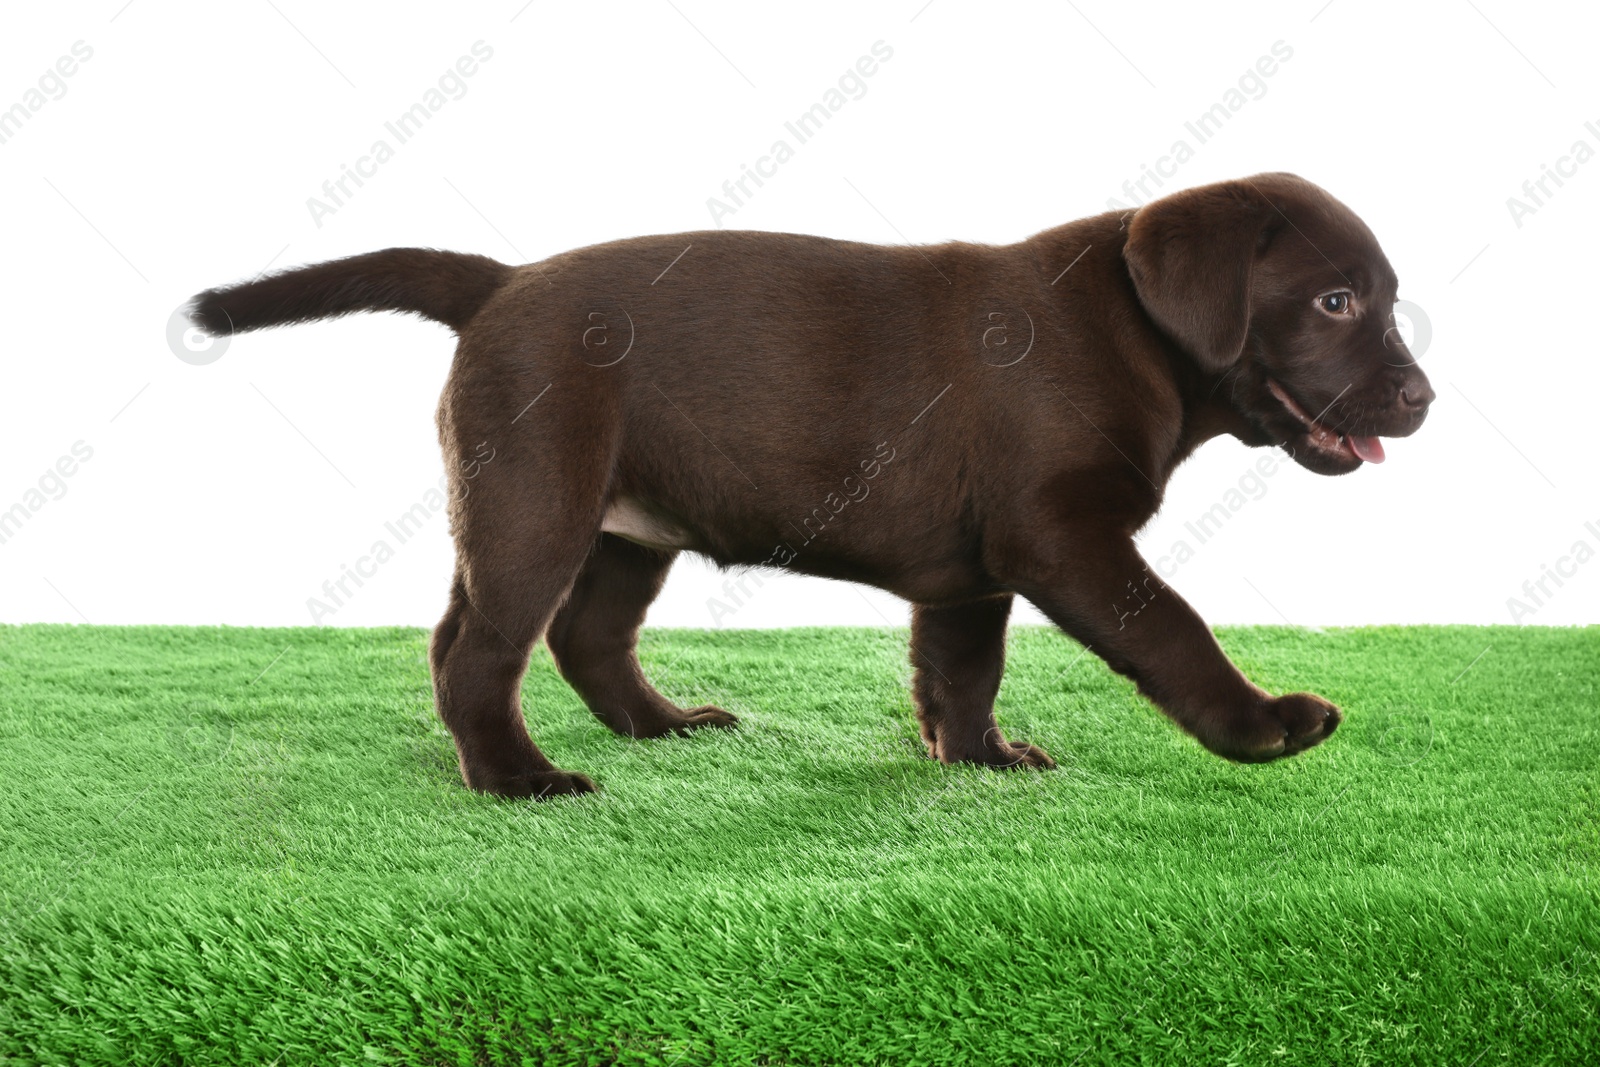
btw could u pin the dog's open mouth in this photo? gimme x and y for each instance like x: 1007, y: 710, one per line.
x: 1328, y: 441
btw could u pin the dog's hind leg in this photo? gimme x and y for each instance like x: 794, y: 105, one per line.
x: 478, y: 661
x: 526, y: 505
x: 499, y: 605
x: 595, y: 632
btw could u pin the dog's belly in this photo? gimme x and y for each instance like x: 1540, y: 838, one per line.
x: 934, y: 580
x: 636, y: 521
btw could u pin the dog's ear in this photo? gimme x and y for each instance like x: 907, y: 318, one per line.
x: 1191, y: 256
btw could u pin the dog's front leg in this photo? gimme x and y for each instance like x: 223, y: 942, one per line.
x: 959, y: 652
x: 1097, y: 588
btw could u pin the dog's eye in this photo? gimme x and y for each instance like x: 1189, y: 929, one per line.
x: 1335, y: 303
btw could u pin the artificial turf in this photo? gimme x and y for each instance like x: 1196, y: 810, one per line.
x: 251, y: 846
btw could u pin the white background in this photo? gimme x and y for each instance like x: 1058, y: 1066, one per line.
x: 183, y: 153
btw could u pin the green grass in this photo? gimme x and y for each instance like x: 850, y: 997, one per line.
x: 251, y: 846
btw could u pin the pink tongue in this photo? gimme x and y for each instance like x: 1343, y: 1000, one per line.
x: 1368, y: 448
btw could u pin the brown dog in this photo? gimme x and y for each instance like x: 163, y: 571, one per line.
x: 957, y: 424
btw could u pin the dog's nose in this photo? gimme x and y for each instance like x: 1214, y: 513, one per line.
x: 1416, y: 395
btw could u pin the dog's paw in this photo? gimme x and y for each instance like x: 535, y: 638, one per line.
x: 707, y: 715
x: 989, y: 748
x: 1307, y: 720
x: 1278, y: 727
x: 680, y: 722
x: 534, y: 785
x: 997, y: 752
x: 1021, y: 754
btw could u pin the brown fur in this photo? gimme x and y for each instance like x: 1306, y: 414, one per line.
x: 958, y: 424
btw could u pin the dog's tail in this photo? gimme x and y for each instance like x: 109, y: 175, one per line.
x: 448, y: 287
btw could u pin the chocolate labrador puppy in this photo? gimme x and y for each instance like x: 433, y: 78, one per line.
x: 959, y: 424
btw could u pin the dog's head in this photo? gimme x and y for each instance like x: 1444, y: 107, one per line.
x: 1279, y: 289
